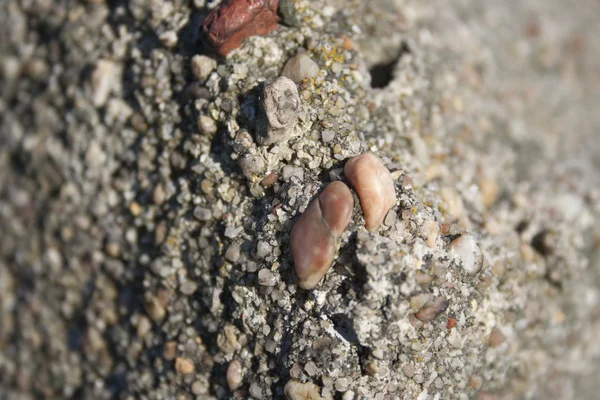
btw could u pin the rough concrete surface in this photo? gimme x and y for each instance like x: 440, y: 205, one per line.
x: 145, y: 221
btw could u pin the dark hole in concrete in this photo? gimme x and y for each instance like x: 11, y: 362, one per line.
x: 343, y: 325
x: 383, y: 73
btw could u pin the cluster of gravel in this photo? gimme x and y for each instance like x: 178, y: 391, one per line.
x: 148, y: 191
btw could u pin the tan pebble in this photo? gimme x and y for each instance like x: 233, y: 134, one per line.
x: 155, y: 309
x: 269, y: 179
x: 452, y: 201
x: 496, y: 338
x: 234, y: 375
x: 207, y: 125
x: 475, y: 381
x: 184, y: 366
x: 374, y: 185
x: 143, y: 326
x: 432, y: 309
x: 347, y: 43
x: 227, y: 339
x: 295, y: 390
x: 170, y: 350
x: 135, y: 209
x: 313, y: 237
x: 430, y: 231
x: 206, y: 186
x: 113, y: 249
x: 202, y: 66
x: 158, y: 194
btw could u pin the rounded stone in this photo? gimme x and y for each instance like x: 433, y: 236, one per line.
x: 234, y: 375
x: 375, y: 187
x: 203, y: 66
x: 300, y: 67
x: 467, y: 253
x: 313, y: 237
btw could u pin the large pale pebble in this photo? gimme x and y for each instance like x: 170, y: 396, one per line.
x: 467, y: 253
x: 234, y: 375
x: 313, y: 237
x: 375, y: 187
x: 295, y: 390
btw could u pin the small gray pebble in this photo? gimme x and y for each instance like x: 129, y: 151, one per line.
x: 233, y: 252
x: 266, y: 278
x: 263, y: 249
x: 203, y: 214
x: 300, y: 67
x: 327, y: 136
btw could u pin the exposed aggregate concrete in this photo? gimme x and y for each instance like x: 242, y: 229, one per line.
x: 145, y: 228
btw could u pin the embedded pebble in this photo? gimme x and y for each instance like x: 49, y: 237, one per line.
x: 251, y: 166
x: 184, y: 366
x: 256, y: 390
x: 233, y: 252
x: 290, y: 171
x: 374, y: 185
x: 432, y: 309
x: 263, y: 249
x: 207, y: 125
x: 467, y: 253
x: 280, y: 108
x: 269, y: 180
x: 266, y: 278
x: 234, y: 375
x: 295, y: 390
x: 327, y: 136
x: 203, y: 66
x: 452, y: 201
x: 313, y: 237
x: 203, y: 214
x: 168, y: 39
x: 430, y: 231
x: 300, y: 67
x: 496, y: 338
x: 390, y: 218
x: 104, y: 80
x: 155, y: 309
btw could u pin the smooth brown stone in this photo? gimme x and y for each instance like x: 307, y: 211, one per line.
x: 375, y: 187
x: 313, y: 237
x: 336, y: 204
x: 235, y: 20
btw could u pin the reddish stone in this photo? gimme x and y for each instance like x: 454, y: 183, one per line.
x: 451, y: 323
x: 226, y: 27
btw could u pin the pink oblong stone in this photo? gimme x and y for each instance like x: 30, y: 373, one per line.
x: 375, y: 187
x: 313, y: 237
x: 336, y: 204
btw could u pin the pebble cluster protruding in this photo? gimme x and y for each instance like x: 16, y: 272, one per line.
x: 313, y: 237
